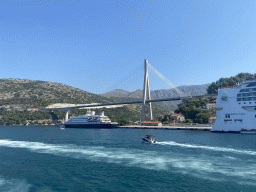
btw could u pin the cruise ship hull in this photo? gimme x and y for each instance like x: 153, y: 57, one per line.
x: 236, y: 109
x: 91, y: 126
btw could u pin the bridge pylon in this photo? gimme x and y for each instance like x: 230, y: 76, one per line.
x: 146, y: 93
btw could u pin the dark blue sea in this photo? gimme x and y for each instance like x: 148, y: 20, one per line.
x: 47, y: 158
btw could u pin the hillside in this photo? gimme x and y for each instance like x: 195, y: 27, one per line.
x: 34, y: 94
x: 43, y: 93
x: 229, y: 82
x: 194, y: 111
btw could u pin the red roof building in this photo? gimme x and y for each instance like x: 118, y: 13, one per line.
x: 177, y: 117
x: 211, y: 120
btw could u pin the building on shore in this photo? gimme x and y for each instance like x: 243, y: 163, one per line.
x: 212, y: 120
x: 210, y: 106
x: 151, y: 123
x: 177, y: 117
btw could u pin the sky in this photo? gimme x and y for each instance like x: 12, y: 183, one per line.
x: 95, y: 44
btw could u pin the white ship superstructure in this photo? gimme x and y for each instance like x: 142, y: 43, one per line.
x: 90, y: 120
x: 236, y: 109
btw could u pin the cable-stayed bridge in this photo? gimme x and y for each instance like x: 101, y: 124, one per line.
x: 146, y: 100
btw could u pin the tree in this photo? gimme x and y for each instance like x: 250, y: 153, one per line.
x: 121, y: 122
x: 193, y: 110
x: 228, y: 82
x: 188, y: 121
x: 2, y: 122
x: 202, y: 118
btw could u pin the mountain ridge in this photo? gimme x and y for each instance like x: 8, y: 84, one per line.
x: 186, y: 90
x: 181, y: 91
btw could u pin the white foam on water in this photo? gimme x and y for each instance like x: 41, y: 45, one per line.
x: 140, y: 158
x: 222, y: 149
x: 13, y: 185
x: 201, y: 166
x: 229, y: 157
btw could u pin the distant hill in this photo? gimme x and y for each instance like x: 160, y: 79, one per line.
x: 43, y: 93
x: 189, y: 90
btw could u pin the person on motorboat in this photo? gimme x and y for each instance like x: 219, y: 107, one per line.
x: 148, y: 139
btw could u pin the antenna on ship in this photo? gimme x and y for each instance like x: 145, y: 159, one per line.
x: 88, y: 111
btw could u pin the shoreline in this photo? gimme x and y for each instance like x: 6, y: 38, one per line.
x: 202, y: 128
x: 196, y: 127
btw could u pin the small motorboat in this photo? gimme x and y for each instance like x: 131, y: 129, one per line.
x: 61, y: 126
x: 149, y: 139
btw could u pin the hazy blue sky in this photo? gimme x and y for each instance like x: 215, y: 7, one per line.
x: 91, y: 44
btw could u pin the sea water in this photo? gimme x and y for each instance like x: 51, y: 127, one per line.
x: 47, y: 158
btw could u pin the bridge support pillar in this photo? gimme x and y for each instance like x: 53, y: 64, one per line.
x: 66, y: 115
x: 146, y: 93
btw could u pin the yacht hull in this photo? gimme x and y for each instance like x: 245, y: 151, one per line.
x: 91, y: 121
x: 91, y: 126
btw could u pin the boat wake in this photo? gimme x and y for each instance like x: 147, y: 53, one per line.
x: 204, y: 166
x: 221, y: 149
x: 131, y: 157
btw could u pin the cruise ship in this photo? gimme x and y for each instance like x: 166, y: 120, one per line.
x: 90, y: 120
x: 236, y: 109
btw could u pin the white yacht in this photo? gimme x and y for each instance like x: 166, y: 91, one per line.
x: 90, y: 120
x: 236, y: 109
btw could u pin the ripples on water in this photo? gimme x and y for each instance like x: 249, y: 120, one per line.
x: 117, y: 160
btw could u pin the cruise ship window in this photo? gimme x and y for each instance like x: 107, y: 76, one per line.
x: 250, y: 102
x: 240, y: 103
x: 244, y: 90
x: 244, y: 102
x: 251, y: 84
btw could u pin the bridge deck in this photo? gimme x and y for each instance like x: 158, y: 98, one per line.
x: 127, y: 103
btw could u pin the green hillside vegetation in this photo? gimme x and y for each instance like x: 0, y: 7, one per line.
x: 194, y: 110
x: 35, y: 94
x: 43, y: 93
x: 21, y: 117
x: 228, y: 82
